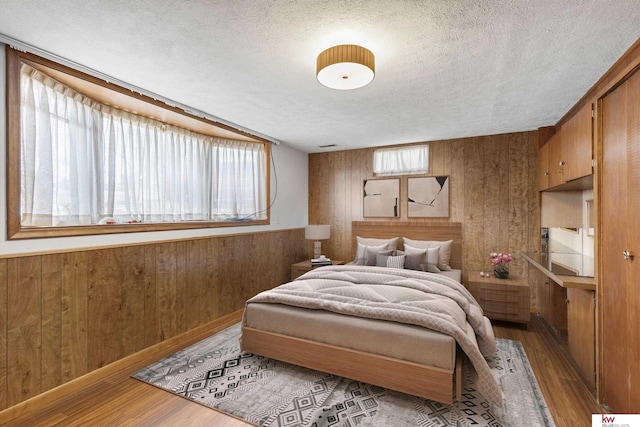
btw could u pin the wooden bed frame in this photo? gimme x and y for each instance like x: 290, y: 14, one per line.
x: 400, y: 375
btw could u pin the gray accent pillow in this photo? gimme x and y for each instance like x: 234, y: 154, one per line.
x: 381, y: 259
x: 445, y: 250
x: 372, y: 254
x: 421, y: 258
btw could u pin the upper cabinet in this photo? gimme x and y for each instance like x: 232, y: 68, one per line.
x: 577, y: 146
x: 568, y: 154
x: 543, y: 167
x: 556, y: 162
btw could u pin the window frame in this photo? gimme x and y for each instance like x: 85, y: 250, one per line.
x: 15, y: 230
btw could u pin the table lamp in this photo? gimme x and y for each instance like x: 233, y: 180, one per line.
x: 317, y: 233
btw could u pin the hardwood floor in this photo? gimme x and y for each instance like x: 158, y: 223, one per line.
x: 571, y: 402
x: 110, y: 397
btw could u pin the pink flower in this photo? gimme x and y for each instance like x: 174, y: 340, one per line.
x: 500, y: 260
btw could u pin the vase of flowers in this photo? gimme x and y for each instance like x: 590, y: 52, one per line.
x: 500, y: 264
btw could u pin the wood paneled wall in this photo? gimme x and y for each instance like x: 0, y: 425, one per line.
x: 63, y: 315
x: 492, y: 193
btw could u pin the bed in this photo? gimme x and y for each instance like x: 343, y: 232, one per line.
x: 333, y: 320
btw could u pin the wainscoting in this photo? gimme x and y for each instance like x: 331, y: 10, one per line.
x: 63, y: 315
x: 492, y: 193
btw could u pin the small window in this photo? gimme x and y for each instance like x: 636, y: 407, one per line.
x: 84, y: 166
x: 403, y: 160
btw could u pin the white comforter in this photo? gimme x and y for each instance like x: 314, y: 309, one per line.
x: 429, y: 300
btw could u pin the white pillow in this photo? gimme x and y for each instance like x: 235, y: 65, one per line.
x: 370, y: 241
x: 445, y: 250
x: 361, y: 253
x: 422, y: 259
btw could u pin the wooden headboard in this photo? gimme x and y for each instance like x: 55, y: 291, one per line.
x: 413, y: 230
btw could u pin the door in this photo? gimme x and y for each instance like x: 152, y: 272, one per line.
x: 620, y: 207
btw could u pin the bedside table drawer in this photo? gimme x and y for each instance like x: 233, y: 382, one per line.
x: 498, y: 307
x: 519, y: 317
x: 498, y: 295
x: 501, y: 299
x: 505, y: 295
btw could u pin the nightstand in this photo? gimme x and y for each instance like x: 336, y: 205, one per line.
x: 299, y: 268
x: 502, y: 299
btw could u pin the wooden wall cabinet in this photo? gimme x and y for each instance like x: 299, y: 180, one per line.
x: 577, y: 145
x: 556, y: 160
x: 543, y: 167
x: 568, y: 154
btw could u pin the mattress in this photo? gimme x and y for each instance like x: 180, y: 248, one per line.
x: 397, y: 340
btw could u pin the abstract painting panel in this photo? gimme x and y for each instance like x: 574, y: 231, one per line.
x: 381, y: 197
x: 428, y: 197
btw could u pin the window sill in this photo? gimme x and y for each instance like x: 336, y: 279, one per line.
x: 47, y: 232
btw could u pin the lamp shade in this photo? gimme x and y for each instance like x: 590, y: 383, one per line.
x: 345, y: 67
x: 317, y: 232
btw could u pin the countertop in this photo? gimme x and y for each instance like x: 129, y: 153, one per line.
x: 586, y: 283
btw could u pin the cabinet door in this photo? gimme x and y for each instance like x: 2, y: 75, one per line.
x: 555, y: 159
x: 557, y: 318
x: 577, y: 152
x: 581, y: 318
x: 542, y: 295
x: 543, y: 167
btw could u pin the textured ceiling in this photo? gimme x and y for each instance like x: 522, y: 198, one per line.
x: 444, y: 68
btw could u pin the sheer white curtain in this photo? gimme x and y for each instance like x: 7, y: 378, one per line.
x: 83, y: 162
x: 401, y: 160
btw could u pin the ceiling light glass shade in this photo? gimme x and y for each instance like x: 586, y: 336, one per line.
x: 345, y: 67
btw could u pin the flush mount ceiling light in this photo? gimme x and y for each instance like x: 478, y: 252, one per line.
x: 345, y: 67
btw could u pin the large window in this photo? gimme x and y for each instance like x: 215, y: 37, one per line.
x: 85, y: 167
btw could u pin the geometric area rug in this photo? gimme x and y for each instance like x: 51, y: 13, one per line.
x: 267, y: 392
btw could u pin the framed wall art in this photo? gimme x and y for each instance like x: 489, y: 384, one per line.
x: 428, y: 197
x: 380, y: 197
